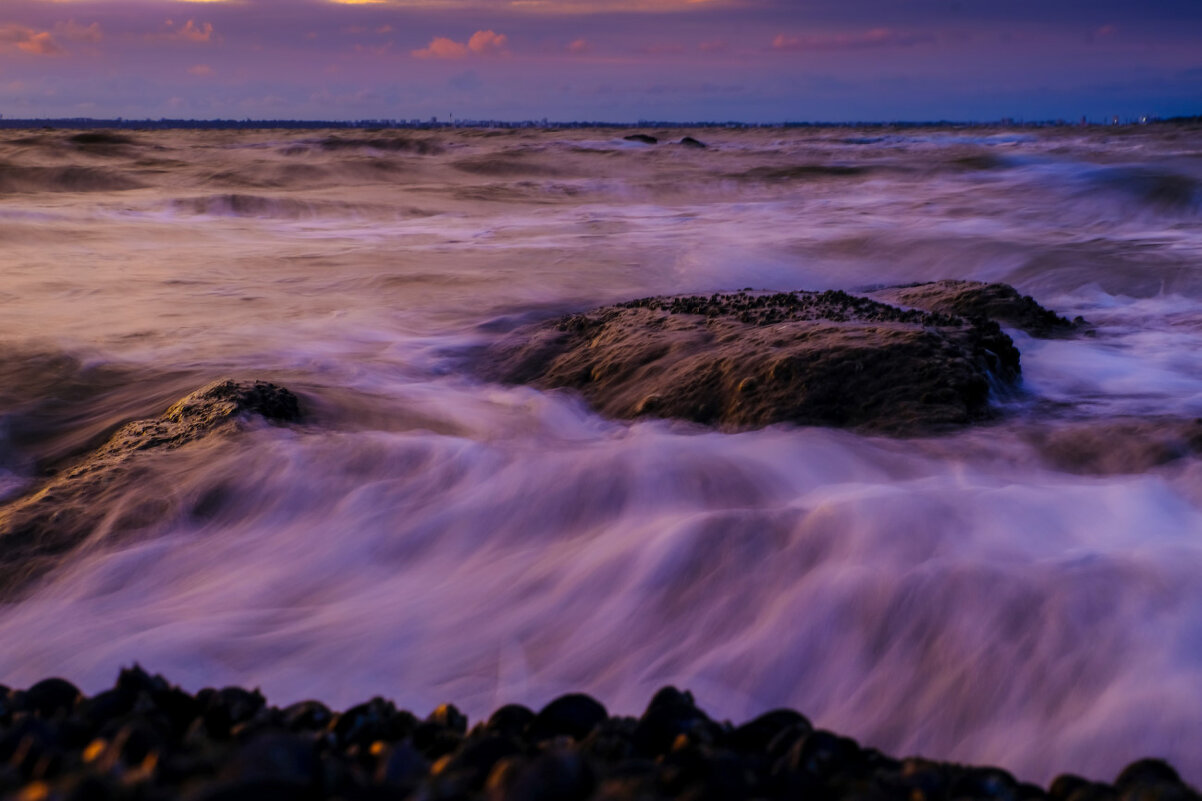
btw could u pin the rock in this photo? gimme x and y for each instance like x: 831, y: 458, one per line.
x: 1147, y: 771
x: 975, y: 299
x: 670, y: 715
x: 644, y: 138
x: 689, y: 141
x: 753, y: 359
x: 450, y: 717
x: 403, y: 766
x: 553, y: 776
x: 307, y: 715
x: 573, y: 715
x: 475, y: 761
x: 375, y: 720
x: 755, y: 735
x: 50, y: 697
x: 64, y: 510
x: 510, y: 719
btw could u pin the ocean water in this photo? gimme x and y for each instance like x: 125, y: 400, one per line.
x: 1024, y: 593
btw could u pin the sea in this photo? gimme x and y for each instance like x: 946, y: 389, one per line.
x: 1026, y: 592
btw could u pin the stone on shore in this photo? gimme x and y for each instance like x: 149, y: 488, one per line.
x: 751, y: 359
x: 68, y: 508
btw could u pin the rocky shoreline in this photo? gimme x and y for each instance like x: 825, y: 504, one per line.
x: 146, y: 740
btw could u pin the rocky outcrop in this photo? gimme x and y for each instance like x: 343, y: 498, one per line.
x: 752, y: 359
x: 643, y: 138
x: 979, y: 300
x: 68, y: 508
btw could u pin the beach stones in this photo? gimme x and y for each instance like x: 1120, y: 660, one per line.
x: 751, y: 359
x: 56, y: 743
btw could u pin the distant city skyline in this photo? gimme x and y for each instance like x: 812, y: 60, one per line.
x: 756, y: 61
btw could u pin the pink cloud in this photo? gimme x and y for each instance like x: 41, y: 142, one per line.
x: 190, y: 32
x: 442, y: 47
x: 579, y: 46
x: 75, y: 32
x: 28, y: 40
x: 201, y: 71
x: 488, y: 43
x: 482, y: 43
x: 876, y: 37
x: 714, y: 46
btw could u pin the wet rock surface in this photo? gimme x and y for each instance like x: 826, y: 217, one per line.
x: 752, y: 359
x: 71, y: 507
x: 977, y: 300
x: 147, y: 739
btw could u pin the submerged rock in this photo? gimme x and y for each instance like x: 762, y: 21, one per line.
x: 689, y: 141
x: 69, y: 508
x: 975, y: 299
x: 644, y: 138
x: 753, y: 359
x: 159, y: 742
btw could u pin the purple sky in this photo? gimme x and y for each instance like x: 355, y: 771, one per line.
x: 752, y: 60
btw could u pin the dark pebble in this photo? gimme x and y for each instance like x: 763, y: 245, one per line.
x: 1147, y: 771
x: 573, y: 715
x: 50, y: 697
x: 755, y: 735
x: 510, y: 719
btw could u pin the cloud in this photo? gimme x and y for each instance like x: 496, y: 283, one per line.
x: 877, y: 37
x: 201, y: 71
x: 189, y: 32
x: 73, y: 31
x: 442, y: 47
x: 29, y: 40
x: 487, y: 43
x: 579, y: 46
x: 482, y: 43
x: 713, y: 46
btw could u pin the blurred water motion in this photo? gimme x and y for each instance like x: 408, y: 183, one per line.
x: 1024, y: 594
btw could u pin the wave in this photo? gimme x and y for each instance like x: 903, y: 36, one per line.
x: 258, y: 206
x: 31, y: 179
x: 388, y: 144
x: 1158, y: 189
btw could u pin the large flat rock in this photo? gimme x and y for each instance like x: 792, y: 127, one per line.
x: 751, y: 359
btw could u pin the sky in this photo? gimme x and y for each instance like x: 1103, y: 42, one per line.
x: 602, y: 60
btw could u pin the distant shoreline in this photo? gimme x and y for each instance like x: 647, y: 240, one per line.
x: 226, y: 124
